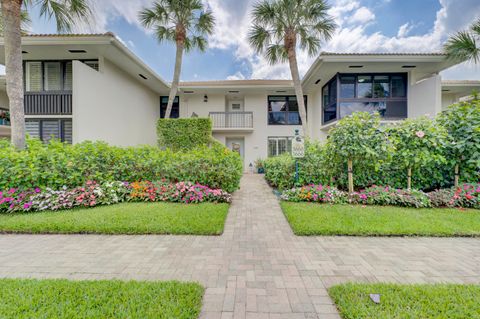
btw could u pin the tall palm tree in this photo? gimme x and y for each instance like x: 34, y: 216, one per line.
x: 465, y: 45
x: 65, y: 13
x: 184, y: 22
x: 280, y: 26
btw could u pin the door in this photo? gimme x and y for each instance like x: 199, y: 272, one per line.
x: 234, y: 117
x: 236, y: 145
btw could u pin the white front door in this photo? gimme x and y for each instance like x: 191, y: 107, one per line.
x: 235, y: 106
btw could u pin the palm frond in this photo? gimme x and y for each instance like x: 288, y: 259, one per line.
x: 164, y: 34
x: 462, y: 47
x: 476, y: 27
x: 276, y: 53
x: 65, y: 12
x: 259, y: 37
x: 205, y: 23
x: 196, y: 42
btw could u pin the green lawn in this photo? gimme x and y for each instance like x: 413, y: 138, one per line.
x: 355, y: 220
x: 54, y: 299
x: 407, y: 301
x: 126, y: 218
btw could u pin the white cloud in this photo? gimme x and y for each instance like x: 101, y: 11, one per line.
x: 237, y: 76
x: 404, y: 30
x: 362, y: 15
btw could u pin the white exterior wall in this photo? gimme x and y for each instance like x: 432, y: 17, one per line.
x: 424, y: 97
x: 256, y: 141
x: 111, y: 106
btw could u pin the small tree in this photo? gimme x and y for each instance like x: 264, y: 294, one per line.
x: 418, y: 142
x: 462, y: 122
x: 357, y: 138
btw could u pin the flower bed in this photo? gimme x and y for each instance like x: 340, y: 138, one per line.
x: 464, y: 196
x: 94, y: 194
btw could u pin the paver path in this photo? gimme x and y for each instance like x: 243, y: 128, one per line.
x: 256, y: 269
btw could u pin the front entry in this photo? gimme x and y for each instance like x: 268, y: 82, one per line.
x: 236, y: 144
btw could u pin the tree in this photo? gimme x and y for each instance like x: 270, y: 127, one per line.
x: 184, y: 22
x: 464, y: 45
x: 462, y: 122
x: 418, y: 142
x: 279, y: 26
x: 65, y: 13
x: 357, y: 138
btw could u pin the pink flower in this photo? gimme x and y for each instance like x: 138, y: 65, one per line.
x: 420, y: 134
x: 37, y: 190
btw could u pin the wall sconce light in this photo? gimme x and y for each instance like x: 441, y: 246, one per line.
x: 205, y: 98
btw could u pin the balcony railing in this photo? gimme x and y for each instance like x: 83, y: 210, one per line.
x: 48, y: 103
x: 233, y: 120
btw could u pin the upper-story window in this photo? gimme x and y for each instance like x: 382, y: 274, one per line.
x: 175, y: 114
x: 51, y: 75
x: 283, y: 110
x: 348, y: 93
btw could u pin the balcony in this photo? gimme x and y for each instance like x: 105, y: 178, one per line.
x: 232, y: 121
x: 48, y: 103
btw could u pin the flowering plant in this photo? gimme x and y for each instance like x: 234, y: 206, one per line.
x: 385, y: 195
x: 466, y: 195
x: 315, y: 193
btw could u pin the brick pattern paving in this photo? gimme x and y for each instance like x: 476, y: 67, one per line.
x: 256, y: 269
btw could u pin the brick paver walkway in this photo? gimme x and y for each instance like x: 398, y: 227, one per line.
x: 256, y: 269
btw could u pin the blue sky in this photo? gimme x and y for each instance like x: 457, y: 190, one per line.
x: 364, y: 26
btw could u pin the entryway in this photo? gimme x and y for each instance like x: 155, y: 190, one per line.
x: 236, y: 144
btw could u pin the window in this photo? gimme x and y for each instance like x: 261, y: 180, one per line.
x: 52, y: 76
x: 382, y: 93
x: 279, y: 145
x: 33, y: 76
x: 175, y: 114
x: 283, y: 110
x: 46, y: 129
x: 364, y: 87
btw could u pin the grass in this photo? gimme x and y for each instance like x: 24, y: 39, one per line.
x: 125, y: 218
x: 407, y: 301
x: 98, y: 299
x: 320, y: 219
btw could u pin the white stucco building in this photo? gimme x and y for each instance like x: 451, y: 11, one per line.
x: 92, y: 87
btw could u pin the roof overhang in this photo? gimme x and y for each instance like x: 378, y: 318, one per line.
x: 238, y: 87
x: 59, y: 47
x: 423, y: 65
x: 460, y: 87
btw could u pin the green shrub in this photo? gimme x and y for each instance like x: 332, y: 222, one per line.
x: 184, y: 134
x: 57, y: 164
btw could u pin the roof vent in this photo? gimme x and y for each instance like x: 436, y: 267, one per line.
x: 409, y: 66
x: 188, y: 92
x: 281, y: 91
x: 318, y: 81
x: 355, y: 66
x: 445, y: 90
x: 142, y: 76
x: 233, y: 91
x: 77, y: 51
x: 24, y: 52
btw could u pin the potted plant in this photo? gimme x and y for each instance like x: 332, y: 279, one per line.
x: 4, y: 117
x: 259, y: 166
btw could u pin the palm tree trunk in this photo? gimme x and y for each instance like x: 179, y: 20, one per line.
x: 176, y: 78
x: 292, y: 59
x: 11, y: 11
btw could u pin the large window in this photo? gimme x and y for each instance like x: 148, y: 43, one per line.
x: 47, y: 129
x: 51, y: 75
x: 175, y: 114
x: 283, y: 110
x: 348, y: 93
x: 277, y: 145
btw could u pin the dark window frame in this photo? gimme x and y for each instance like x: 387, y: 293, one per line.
x: 305, y: 98
x: 372, y: 99
x: 164, y: 105
x: 63, y: 64
x: 287, y: 138
x: 61, y: 123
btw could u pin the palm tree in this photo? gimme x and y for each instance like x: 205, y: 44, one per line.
x: 65, y: 13
x: 184, y: 22
x: 280, y: 26
x: 465, y: 45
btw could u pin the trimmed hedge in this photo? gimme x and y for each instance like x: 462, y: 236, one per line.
x: 57, y: 164
x: 184, y: 134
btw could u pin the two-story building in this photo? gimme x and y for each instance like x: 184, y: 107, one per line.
x: 92, y: 87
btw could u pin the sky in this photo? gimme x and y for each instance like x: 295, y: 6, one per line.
x: 363, y: 26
